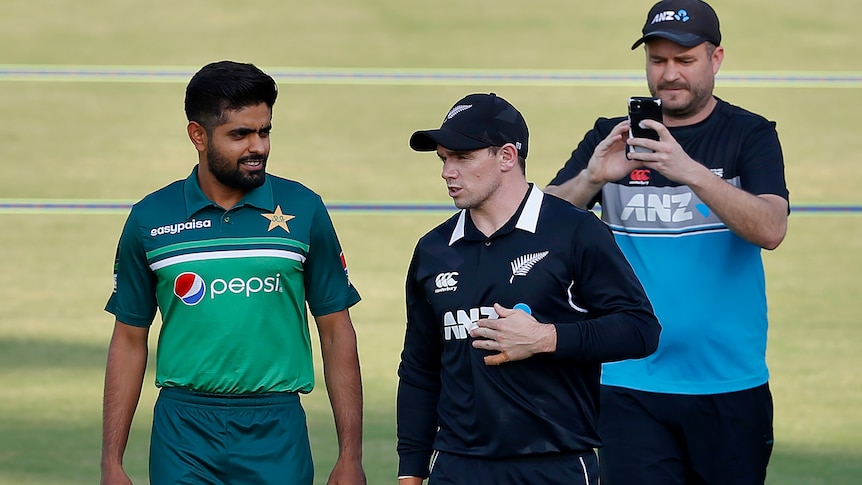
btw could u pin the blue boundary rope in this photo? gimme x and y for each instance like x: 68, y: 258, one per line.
x: 83, y: 207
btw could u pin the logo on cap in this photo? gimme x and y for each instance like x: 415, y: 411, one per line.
x: 458, y: 109
x: 190, y: 288
x: 685, y: 22
x: 680, y: 16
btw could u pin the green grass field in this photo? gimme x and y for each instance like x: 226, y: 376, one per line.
x: 73, y: 139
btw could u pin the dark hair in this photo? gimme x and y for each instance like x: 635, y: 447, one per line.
x: 522, y: 162
x: 226, y: 86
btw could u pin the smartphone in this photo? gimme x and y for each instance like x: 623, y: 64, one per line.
x: 643, y: 108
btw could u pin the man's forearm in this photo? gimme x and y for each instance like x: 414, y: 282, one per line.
x: 124, y: 375
x: 760, y: 220
x: 578, y: 190
x: 343, y: 381
x: 344, y: 385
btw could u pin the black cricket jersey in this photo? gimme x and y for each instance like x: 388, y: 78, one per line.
x: 563, y: 263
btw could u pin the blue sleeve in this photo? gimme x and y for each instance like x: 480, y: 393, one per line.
x: 419, y: 381
x: 625, y: 326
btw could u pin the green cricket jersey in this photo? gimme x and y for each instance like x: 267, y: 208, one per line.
x: 231, y: 286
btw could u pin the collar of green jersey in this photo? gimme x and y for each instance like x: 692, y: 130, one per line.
x: 260, y: 197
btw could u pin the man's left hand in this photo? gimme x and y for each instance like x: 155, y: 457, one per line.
x: 668, y: 158
x: 516, y: 335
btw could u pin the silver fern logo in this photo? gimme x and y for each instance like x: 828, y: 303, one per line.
x: 523, y: 265
x: 457, y: 109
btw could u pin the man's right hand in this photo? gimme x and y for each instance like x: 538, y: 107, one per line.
x: 609, y: 162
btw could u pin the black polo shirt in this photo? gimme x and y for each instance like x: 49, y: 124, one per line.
x: 564, y: 264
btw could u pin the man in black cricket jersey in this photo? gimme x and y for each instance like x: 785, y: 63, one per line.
x: 512, y: 306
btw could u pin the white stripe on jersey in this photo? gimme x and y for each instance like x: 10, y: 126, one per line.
x: 240, y: 253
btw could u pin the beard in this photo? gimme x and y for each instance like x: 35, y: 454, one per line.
x: 231, y: 174
x: 700, y: 94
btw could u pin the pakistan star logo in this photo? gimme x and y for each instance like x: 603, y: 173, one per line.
x: 278, y: 219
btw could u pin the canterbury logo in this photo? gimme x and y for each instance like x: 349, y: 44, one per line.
x: 523, y: 265
x: 446, y: 282
x: 458, y: 109
x: 641, y: 175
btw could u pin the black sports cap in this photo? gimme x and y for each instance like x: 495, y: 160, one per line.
x: 685, y: 22
x: 477, y: 121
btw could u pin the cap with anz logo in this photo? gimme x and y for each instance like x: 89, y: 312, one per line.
x: 686, y: 22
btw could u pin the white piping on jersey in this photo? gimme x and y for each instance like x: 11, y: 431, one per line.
x: 527, y: 221
x: 571, y: 301
x: 584, y: 467
x: 434, y: 457
x: 240, y: 253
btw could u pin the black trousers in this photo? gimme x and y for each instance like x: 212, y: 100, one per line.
x: 674, y: 439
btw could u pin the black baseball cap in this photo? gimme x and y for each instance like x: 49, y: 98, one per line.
x: 477, y: 121
x: 685, y: 22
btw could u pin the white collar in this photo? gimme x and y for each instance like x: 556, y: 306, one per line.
x: 527, y: 221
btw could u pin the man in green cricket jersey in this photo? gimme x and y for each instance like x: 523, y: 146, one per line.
x: 230, y: 257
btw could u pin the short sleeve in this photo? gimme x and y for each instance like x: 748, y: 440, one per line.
x: 327, y: 283
x: 133, y: 300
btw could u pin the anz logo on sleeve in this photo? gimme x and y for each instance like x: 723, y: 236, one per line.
x: 457, y: 324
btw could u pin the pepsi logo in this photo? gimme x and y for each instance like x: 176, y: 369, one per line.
x: 190, y: 288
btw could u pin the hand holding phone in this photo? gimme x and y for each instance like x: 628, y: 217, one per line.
x: 642, y: 108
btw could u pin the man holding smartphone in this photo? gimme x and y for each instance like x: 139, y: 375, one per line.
x: 691, y: 216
